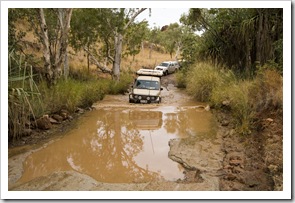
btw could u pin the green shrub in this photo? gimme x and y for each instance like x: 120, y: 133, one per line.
x: 181, y: 78
x: 23, y: 95
x: 72, y: 93
x: 246, y: 98
x: 120, y: 87
x: 201, y: 81
x: 92, y: 92
x: 267, y: 91
x: 222, y: 91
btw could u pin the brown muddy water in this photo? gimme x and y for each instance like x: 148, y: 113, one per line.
x: 118, y: 142
x: 120, y: 145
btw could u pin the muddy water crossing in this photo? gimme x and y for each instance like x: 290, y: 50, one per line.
x: 119, y: 142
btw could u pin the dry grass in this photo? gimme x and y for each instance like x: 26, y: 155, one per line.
x: 142, y: 59
x: 78, y: 60
x: 246, y: 98
x: 129, y: 63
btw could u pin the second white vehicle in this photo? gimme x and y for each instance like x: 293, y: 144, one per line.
x: 166, y: 67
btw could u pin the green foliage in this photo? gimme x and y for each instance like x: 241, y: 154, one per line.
x: 171, y: 37
x: 238, y: 96
x: 208, y: 84
x: 14, y: 35
x: 190, y: 46
x: 238, y: 37
x: 23, y: 94
x: 27, y: 100
x: 267, y: 91
x: 136, y: 34
x: 81, y: 74
x: 278, y: 60
x: 72, y: 93
x: 153, y: 35
x: 201, y: 81
x: 246, y: 98
x: 120, y: 87
x: 181, y: 78
x: 84, y: 28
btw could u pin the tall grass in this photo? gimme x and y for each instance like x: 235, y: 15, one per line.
x: 23, y: 94
x: 72, y: 93
x: 267, y: 91
x: 28, y: 101
x: 201, y: 81
x: 246, y: 98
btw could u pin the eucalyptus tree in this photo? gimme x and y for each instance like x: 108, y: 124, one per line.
x: 135, y: 35
x: 84, y: 32
x: 111, y: 27
x: 153, y: 39
x: 50, y: 27
x: 171, y: 39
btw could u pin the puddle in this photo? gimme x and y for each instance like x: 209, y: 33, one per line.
x: 121, y: 144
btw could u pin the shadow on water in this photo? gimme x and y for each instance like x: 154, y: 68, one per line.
x: 122, y: 145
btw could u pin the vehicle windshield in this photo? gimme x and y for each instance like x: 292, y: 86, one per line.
x: 164, y: 64
x: 147, y: 84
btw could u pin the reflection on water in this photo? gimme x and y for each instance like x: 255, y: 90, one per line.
x: 120, y: 145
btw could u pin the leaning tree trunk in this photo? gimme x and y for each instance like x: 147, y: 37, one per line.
x: 118, y: 53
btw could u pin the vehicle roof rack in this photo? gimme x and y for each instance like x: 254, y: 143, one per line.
x: 149, y: 72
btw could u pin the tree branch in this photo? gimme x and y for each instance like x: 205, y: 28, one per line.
x: 103, y: 68
x: 108, y: 49
x: 133, y: 17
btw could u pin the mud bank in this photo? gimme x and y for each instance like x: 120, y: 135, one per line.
x: 252, y: 162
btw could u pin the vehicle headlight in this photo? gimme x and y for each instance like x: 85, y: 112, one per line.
x: 148, y: 98
x: 139, y: 97
x: 135, y: 96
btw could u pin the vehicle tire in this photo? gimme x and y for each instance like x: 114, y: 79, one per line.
x: 166, y: 72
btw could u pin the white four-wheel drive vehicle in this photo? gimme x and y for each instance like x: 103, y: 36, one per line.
x: 166, y: 67
x: 147, y: 87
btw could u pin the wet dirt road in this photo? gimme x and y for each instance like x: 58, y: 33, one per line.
x: 120, y: 146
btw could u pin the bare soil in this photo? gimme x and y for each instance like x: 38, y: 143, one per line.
x: 253, y: 162
x: 250, y: 163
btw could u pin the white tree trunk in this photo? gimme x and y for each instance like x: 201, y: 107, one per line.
x: 118, y: 53
x: 46, y: 45
x: 55, y: 59
x: 178, y: 50
x: 118, y: 45
x: 66, y: 66
x: 64, y: 16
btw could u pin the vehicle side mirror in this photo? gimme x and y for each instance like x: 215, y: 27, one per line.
x: 161, y: 88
